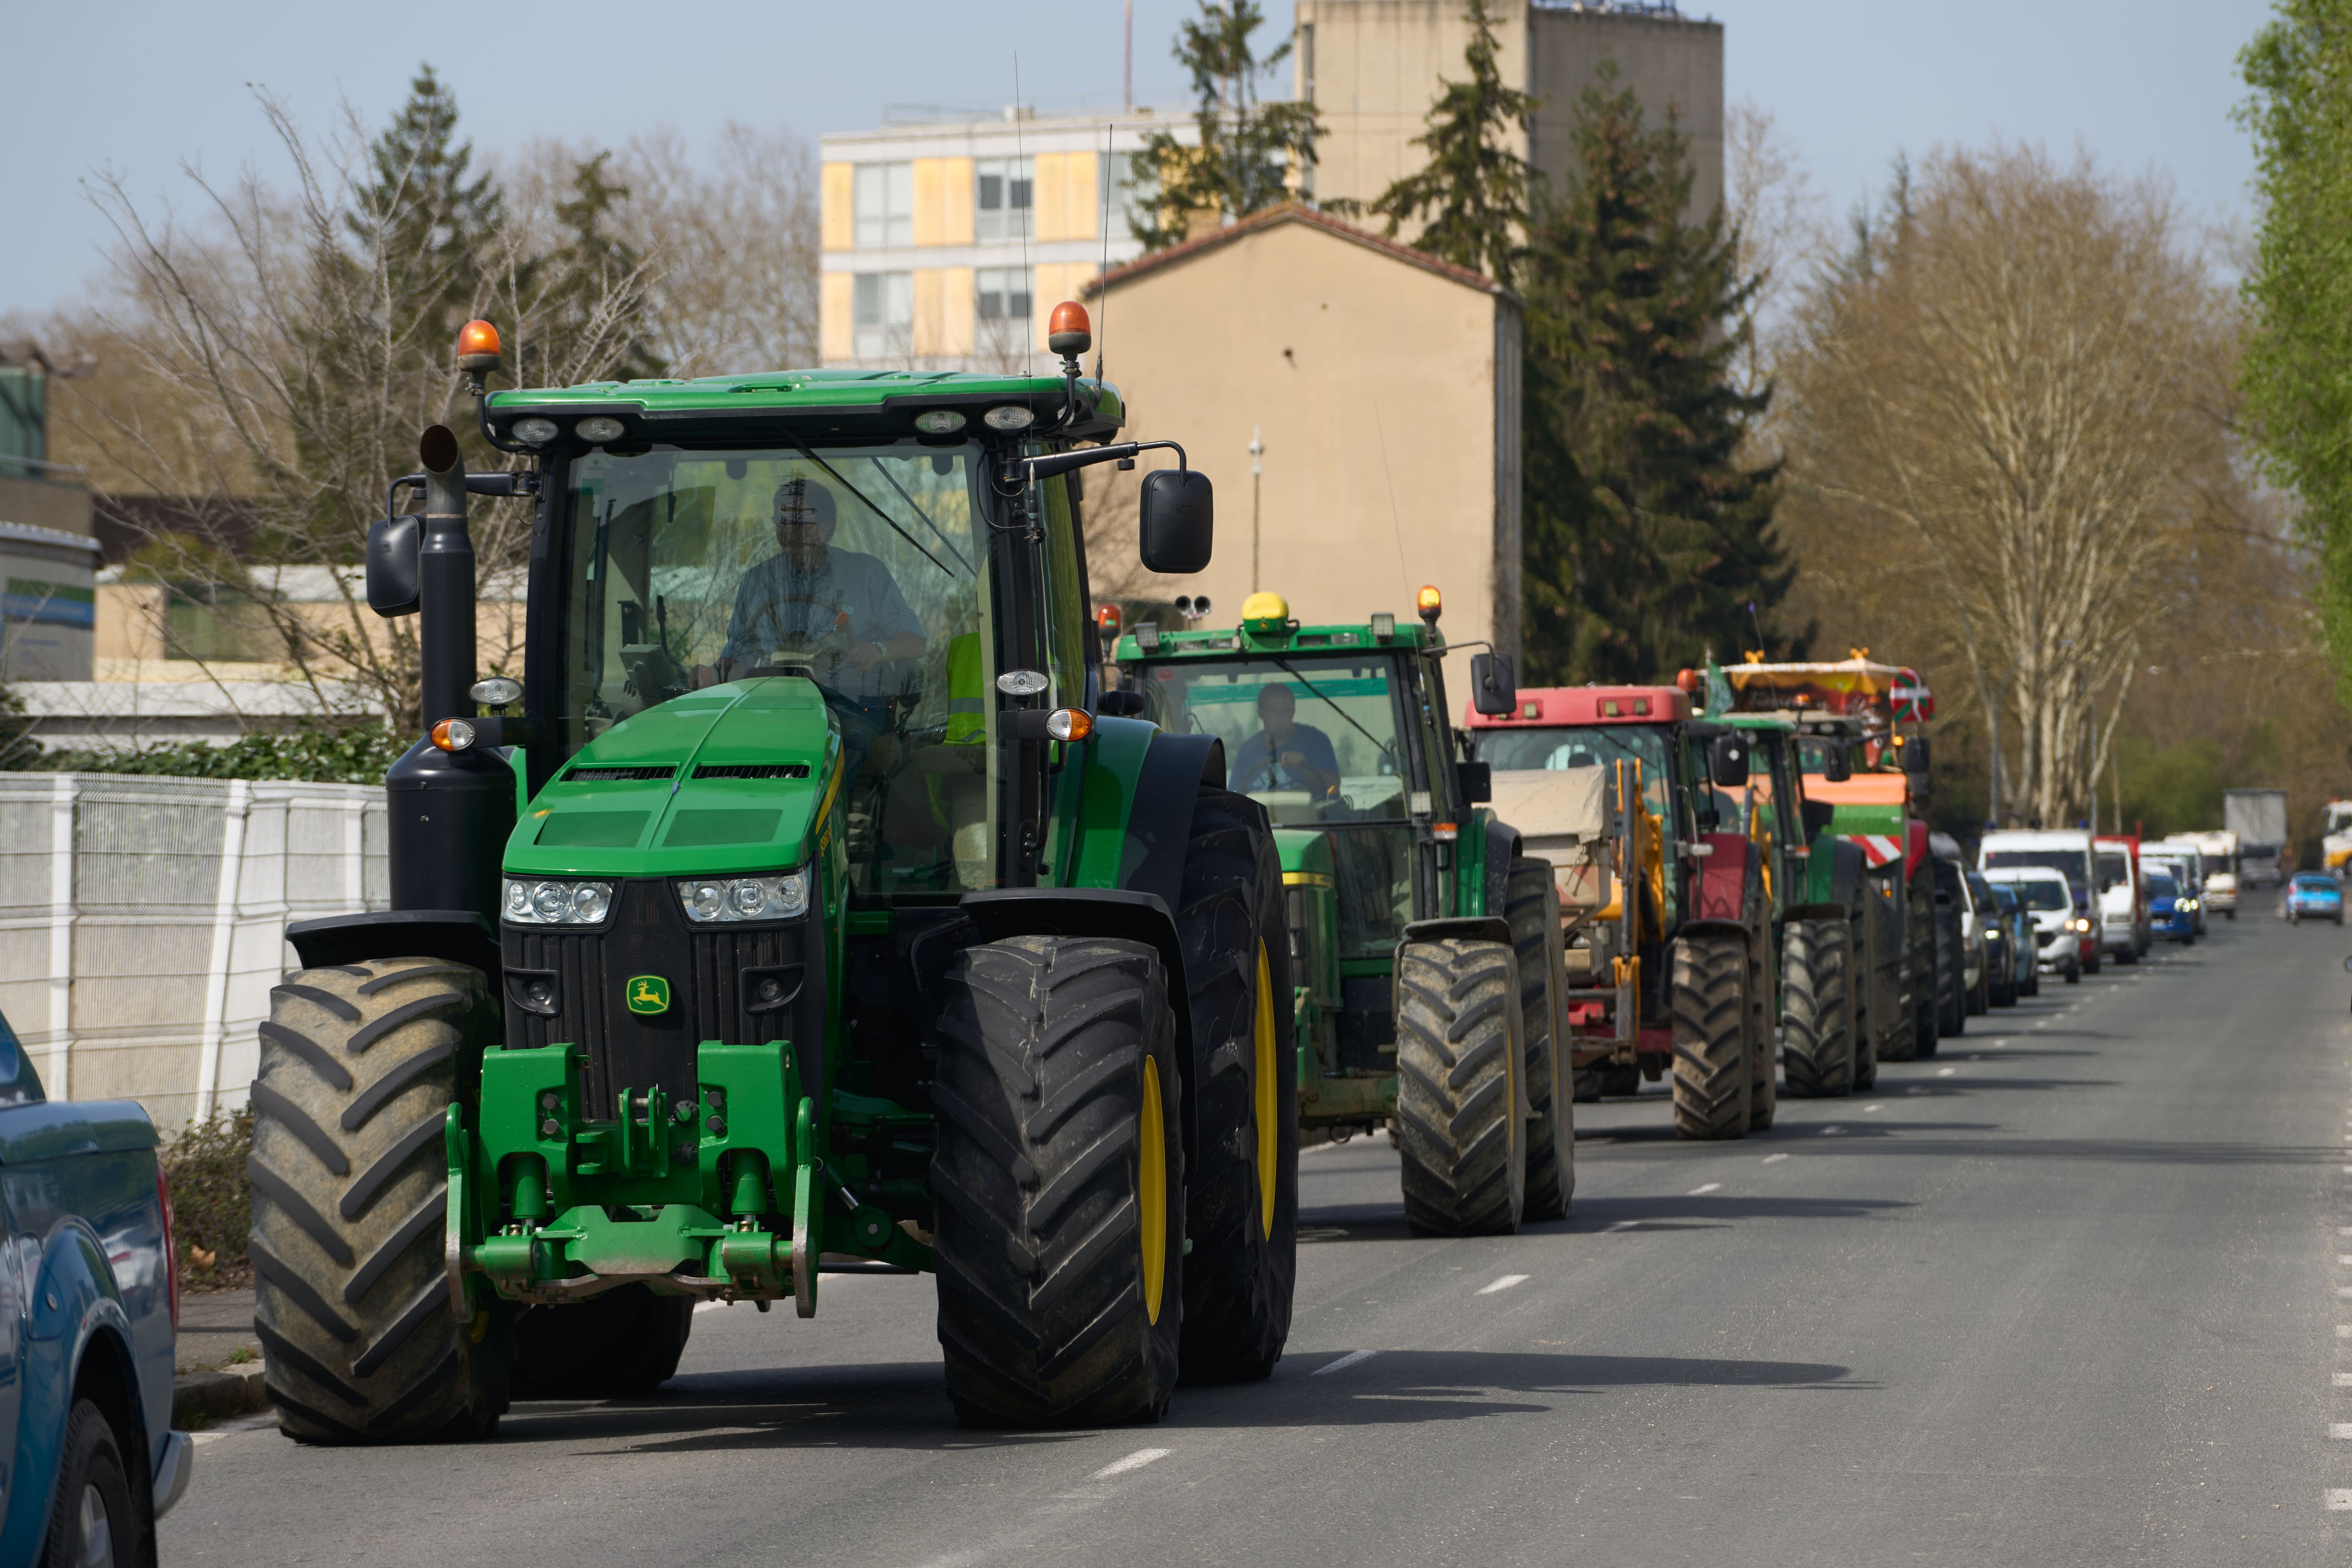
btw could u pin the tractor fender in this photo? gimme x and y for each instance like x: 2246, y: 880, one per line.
x: 1126, y: 914
x: 1502, y: 843
x: 1724, y: 878
x: 458, y: 936
x: 1174, y: 771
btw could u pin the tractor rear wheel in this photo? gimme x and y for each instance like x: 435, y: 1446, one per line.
x: 360, y: 1065
x: 1817, y: 1005
x: 1060, y: 1178
x: 1241, y: 1179
x: 623, y: 1344
x: 1531, y: 905
x: 1713, y: 1076
x: 1459, y: 1057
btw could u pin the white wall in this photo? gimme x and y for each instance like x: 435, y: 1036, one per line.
x: 142, y: 923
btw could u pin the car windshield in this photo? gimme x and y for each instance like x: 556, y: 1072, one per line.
x: 2115, y: 870
x: 859, y: 568
x: 2005, y: 895
x: 2067, y: 863
x: 2161, y: 886
x: 1593, y: 746
x: 2313, y: 882
x: 2040, y: 893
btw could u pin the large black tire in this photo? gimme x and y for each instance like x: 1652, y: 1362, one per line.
x: 94, y: 1515
x: 623, y: 1344
x: 1763, y: 1037
x: 1952, y: 984
x: 1714, y: 1080
x: 1241, y: 1173
x: 360, y: 1065
x: 1531, y: 905
x: 1458, y: 1128
x: 1059, y: 1175
x: 1817, y: 1040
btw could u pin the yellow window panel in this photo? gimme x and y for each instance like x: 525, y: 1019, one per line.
x: 1051, y: 195
x: 835, y: 299
x: 839, y: 227
x: 928, y: 319
x: 955, y: 201
x: 955, y: 309
x: 1084, y: 197
x: 930, y: 205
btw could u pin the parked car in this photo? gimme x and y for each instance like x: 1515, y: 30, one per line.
x: 2314, y: 896
x: 2173, y: 914
x: 2187, y: 884
x: 2066, y: 851
x: 89, y: 1304
x: 2009, y: 944
x: 2060, y: 929
x: 2121, y: 901
x: 1976, y: 940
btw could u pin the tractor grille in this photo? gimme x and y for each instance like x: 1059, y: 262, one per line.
x: 711, y: 995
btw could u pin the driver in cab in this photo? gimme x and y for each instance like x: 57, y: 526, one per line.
x: 837, y: 611
x: 1286, y: 754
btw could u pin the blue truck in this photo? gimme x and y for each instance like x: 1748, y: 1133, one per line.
x: 89, y: 1310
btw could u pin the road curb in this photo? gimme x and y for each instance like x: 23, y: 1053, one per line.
x: 199, y: 1396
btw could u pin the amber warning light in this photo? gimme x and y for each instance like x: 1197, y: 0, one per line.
x: 1433, y: 605
x: 1067, y: 331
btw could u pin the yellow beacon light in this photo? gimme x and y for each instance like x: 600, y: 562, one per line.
x: 1432, y: 604
x: 1266, y: 614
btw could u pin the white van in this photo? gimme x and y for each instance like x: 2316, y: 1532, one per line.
x: 2048, y: 900
x: 2064, y: 851
x: 2216, y: 855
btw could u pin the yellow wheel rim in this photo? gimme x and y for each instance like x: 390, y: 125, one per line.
x: 1151, y: 1192
x: 1269, y: 1097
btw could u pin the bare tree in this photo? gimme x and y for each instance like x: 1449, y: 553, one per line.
x: 1780, y: 224
x: 285, y: 330
x: 2012, y: 428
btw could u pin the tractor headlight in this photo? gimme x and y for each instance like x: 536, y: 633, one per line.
x: 533, y: 903
x: 708, y: 900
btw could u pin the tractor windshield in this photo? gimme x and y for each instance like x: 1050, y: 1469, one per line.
x: 1593, y: 745
x: 858, y: 568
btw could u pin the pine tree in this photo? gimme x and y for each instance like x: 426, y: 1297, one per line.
x: 425, y: 220
x: 584, y: 279
x: 1645, y: 541
x: 1474, y: 189
x: 1247, y: 146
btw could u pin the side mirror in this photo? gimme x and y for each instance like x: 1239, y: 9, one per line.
x: 1837, y: 766
x: 1119, y: 702
x: 1177, y: 520
x: 391, y: 576
x: 1494, y: 688
x: 1477, y: 781
x: 1914, y: 755
x: 1816, y: 817
x: 1728, y: 761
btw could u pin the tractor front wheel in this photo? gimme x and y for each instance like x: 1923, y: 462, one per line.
x: 1817, y: 1003
x: 1531, y: 905
x: 1459, y: 1133
x: 1060, y: 1179
x: 360, y: 1065
x: 1713, y: 1076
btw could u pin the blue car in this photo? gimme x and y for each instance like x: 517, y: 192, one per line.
x: 2168, y: 912
x: 2314, y: 895
x: 89, y: 1303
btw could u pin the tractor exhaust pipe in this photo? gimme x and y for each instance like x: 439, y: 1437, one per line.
x: 451, y: 808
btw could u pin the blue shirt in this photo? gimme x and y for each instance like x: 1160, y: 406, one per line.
x: 1255, y: 763
x: 850, y: 599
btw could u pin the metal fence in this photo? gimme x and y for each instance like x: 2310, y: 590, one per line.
x: 143, y: 921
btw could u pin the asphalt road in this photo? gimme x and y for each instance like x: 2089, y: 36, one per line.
x: 2068, y: 1294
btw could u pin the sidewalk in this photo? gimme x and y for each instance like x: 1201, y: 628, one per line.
x: 213, y: 1327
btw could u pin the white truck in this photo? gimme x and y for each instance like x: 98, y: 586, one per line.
x: 2335, y: 827
x: 2216, y: 860
x: 2258, y: 817
x: 2062, y: 850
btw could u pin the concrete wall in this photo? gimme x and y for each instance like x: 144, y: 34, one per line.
x: 142, y: 923
x: 1375, y: 67
x: 1377, y: 386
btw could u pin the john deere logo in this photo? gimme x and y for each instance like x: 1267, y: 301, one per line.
x: 648, y: 994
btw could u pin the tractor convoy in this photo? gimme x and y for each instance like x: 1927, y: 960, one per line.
x: 836, y: 890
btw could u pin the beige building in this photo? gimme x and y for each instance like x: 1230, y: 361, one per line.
x: 1380, y: 387
x: 1374, y: 67
x: 948, y: 243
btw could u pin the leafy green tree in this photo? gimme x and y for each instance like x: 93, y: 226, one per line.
x: 2297, y: 372
x: 1646, y: 542
x: 1247, y: 146
x: 1471, y: 197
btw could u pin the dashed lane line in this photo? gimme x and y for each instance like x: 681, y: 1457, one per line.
x: 1134, y: 1461
x: 1769, y: 1159
x: 1717, y: 1187
x: 1353, y: 1358
x: 1947, y: 1072
x: 1504, y: 1283
x: 1621, y: 1225
x: 1832, y: 1131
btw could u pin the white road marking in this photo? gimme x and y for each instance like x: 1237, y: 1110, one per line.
x: 1947, y: 1072
x: 264, y: 1422
x: 2343, y: 1230
x: 1134, y: 1461
x: 2340, y: 1430
x: 2344, y: 1259
x: 2344, y: 1380
x: 1769, y: 1159
x: 1717, y: 1187
x: 1350, y: 1359
x: 2339, y: 1500
x: 1831, y: 1130
x: 701, y: 1307
x: 2344, y: 1330
x: 1504, y: 1283
x: 1622, y: 1224
x: 2345, y: 1292
x: 1867, y: 1109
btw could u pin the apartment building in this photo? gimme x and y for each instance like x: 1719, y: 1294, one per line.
x: 947, y: 241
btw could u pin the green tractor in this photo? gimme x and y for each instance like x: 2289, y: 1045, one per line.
x: 799, y: 910
x: 1425, y: 947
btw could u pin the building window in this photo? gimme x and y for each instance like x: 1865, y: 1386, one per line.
x: 1003, y: 294
x: 1128, y: 190
x: 885, y: 205
x: 883, y: 307
x: 1001, y: 202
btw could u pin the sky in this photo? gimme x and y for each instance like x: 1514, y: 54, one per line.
x: 139, y: 87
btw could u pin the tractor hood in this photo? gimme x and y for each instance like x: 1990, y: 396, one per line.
x: 731, y: 779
